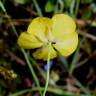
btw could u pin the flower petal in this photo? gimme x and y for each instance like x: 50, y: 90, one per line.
x: 68, y: 46
x: 43, y: 53
x: 39, y: 27
x: 62, y: 25
x: 28, y: 41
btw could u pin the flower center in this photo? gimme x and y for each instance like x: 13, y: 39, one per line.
x: 49, y: 35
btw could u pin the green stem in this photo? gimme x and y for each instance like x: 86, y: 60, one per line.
x: 77, y: 7
x: 23, y: 51
x: 37, y: 8
x: 30, y: 67
x: 53, y: 90
x: 61, y: 5
x: 84, y: 89
x: 38, y: 67
x: 72, y: 65
x: 48, y: 71
x: 72, y: 8
x: 75, y: 58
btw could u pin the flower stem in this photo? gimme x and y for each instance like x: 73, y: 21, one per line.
x: 48, y: 71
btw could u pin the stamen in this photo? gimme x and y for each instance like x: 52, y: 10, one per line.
x: 53, y: 42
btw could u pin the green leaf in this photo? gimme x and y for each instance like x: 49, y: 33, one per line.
x: 22, y: 1
x: 67, y: 3
x: 49, y: 6
x: 86, y: 14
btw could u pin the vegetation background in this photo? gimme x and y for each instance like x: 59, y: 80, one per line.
x: 71, y: 76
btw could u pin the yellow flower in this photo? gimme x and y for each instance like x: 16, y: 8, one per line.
x: 60, y: 30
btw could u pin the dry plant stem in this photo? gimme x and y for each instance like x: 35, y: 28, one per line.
x: 81, y: 63
x: 85, y: 34
x: 4, y: 10
x: 14, y: 57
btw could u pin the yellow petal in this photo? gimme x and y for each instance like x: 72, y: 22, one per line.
x: 68, y: 46
x: 28, y: 41
x: 62, y: 25
x: 39, y: 27
x: 43, y: 53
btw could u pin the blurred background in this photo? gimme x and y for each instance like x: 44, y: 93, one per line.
x: 71, y: 76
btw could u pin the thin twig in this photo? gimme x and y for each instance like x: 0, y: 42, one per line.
x: 85, y: 34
